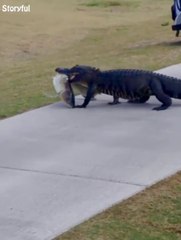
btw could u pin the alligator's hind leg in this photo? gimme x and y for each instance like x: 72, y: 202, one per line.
x: 160, y: 95
x: 115, y: 100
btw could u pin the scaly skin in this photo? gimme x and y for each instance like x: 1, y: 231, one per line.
x: 131, y: 84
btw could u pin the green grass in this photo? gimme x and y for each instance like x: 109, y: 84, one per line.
x: 112, y: 3
x: 154, y: 214
x: 105, y: 3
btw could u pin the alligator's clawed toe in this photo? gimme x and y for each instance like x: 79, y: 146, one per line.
x: 163, y: 107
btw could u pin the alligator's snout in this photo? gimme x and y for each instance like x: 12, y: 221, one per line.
x: 57, y: 69
x: 65, y: 71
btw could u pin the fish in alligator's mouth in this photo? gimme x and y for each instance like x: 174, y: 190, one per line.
x: 63, y: 90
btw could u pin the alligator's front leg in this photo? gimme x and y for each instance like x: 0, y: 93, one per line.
x: 89, y: 95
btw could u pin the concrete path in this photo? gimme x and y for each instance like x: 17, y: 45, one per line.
x: 60, y: 166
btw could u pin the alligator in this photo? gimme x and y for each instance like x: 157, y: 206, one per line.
x: 68, y: 92
x: 133, y: 84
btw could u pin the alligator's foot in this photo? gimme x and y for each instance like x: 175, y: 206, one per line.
x: 162, y: 107
x: 114, y: 102
x: 79, y: 106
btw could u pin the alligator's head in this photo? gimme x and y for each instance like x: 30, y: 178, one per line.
x: 80, y: 73
x: 79, y: 77
x: 63, y: 71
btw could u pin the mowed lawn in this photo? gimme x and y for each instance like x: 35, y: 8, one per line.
x: 154, y: 214
x: 106, y: 34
